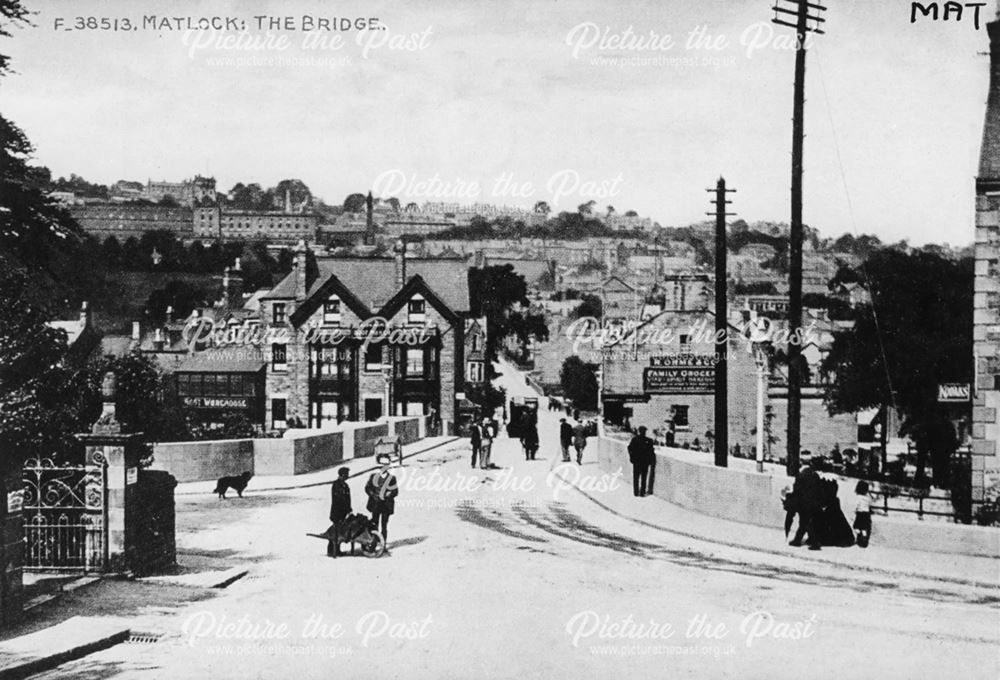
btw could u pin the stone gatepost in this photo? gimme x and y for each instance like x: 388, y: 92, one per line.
x: 120, y: 453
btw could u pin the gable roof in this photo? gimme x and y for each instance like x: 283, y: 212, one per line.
x: 415, y: 285
x: 332, y: 286
x: 373, y: 279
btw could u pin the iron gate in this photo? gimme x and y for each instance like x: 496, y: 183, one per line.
x: 65, y: 515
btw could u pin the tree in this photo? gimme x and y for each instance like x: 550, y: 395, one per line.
x: 542, y: 208
x: 355, y: 203
x: 579, y: 383
x: 42, y: 398
x: 393, y: 203
x: 631, y: 213
x: 180, y: 295
x: 916, y: 333
x: 297, y: 191
x: 169, y: 201
x: 590, y: 306
x: 112, y: 251
x: 586, y: 208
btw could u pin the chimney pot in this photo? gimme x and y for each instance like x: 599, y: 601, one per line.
x: 136, y: 327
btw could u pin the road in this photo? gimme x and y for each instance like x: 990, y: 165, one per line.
x: 506, y: 574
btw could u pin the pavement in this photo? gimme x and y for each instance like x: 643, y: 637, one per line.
x: 71, y: 639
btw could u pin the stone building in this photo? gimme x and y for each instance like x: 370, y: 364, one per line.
x: 986, y: 299
x: 244, y: 225
x: 361, y: 338
x: 186, y: 193
x: 125, y: 220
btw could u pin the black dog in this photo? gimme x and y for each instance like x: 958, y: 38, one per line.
x: 238, y: 483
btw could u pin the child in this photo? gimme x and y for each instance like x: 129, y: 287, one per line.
x: 788, y: 502
x: 862, y: 514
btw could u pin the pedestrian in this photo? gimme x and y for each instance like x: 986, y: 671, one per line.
x: 476, y: 438
x: 529, y: 436
x: 382, y: 491
x: 579, y: 441
x: 340, y: 508
x: 565, y: 438
x: 808, y: 490
x: 671, y: 438
x: 862, y: 514
x: 639, y: 450
x: 486, y: 444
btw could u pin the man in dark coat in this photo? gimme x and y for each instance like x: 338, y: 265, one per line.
x: 476, y: 435
x: 640, y: 450
x: 808, y: 491
x: 382, y: 491
x: 565, y: 438
x: 340, y: 508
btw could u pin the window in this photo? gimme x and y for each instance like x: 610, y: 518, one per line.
x: 475, y: 342
x: 278, y: 313
x: 279, y: 357
x: 474, y: 371
x: 373, y: 358
x: 416, y: 309
x: 414, y: 362
x: 278, y: 414
x: 183, y: 385
x: 680, y: 414
x: 331, y: 311
x: 685, y: 344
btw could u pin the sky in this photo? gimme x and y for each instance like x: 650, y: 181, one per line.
x: 513, y: 102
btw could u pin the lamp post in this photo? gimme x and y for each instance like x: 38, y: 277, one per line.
x: 761, y: 358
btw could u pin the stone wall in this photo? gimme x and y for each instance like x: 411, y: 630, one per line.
x: 298, y: 452
x: 192, y: 461
x: 750, y: 497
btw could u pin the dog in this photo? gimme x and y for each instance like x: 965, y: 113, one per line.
x: 237, y: 483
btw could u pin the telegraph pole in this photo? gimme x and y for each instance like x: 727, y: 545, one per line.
x: 802, y: 18
x: 721, y: 326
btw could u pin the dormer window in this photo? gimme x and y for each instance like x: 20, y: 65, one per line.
x: 331, y: 311
x: 278, y: 313
x: 416, y: 310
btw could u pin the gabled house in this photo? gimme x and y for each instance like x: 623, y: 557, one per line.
x: 362, y: 338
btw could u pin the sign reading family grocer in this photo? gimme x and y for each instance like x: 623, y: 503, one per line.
x: 680, y: 374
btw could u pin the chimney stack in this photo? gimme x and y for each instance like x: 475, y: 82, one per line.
x: 300, y: 271
x: 369, y: 220
x: 400, y: 253
x: 158, y: 340
x: 288, y: 201
x: 136, y: 331
x: 170, y: 313
x: 84, y: 316
x: 237, y: 265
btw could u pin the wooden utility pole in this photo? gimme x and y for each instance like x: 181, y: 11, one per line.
x: 801, y: 25
x: 721, y: 327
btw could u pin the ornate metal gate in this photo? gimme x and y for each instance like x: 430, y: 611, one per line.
x: 65, y: 515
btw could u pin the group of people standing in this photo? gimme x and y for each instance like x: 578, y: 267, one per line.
x: 821, y: 520
x: 482, y: 435
x: 381, y: 489
x: 572, y: 435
